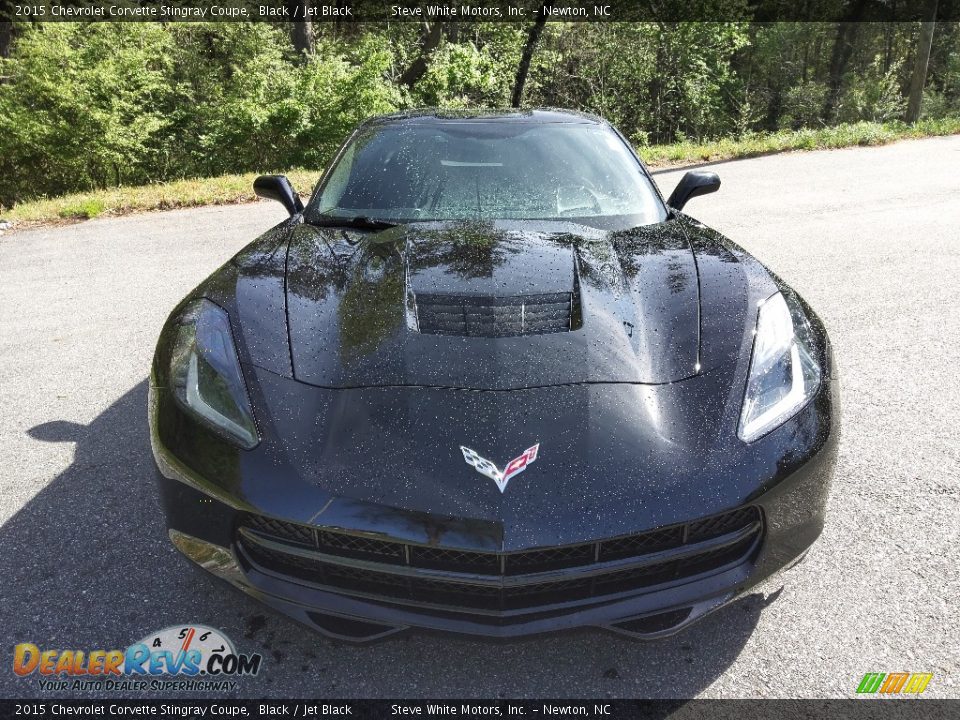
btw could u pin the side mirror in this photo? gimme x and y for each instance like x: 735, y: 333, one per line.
x: 692, y: 184
x: 277, y: 187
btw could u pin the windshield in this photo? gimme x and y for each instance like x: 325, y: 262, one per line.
x: 460, y: 170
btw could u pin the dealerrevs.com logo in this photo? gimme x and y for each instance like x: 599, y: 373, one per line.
x: 181, y: 657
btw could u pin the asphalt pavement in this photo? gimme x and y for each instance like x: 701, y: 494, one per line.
x: 869, y: 236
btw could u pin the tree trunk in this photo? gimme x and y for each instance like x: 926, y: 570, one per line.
x: 842, y: 50
x: 657, y: 88
x: 533, y: 37
x: 919, y: 78
x: 6, y: 37
x: 430, y: 38
x: 301, y: 29
x: 888, y: 31
x: 301, y: 33
x: 847, y: 30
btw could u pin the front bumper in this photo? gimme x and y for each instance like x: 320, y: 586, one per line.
x: 791, y: 512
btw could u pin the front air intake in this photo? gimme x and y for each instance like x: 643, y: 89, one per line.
x: 487, y: 316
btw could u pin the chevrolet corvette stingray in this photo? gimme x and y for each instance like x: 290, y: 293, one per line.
x: 488, y: 381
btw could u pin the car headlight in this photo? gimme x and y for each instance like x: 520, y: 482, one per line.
x: 784, y: 374
x: 206, y: 377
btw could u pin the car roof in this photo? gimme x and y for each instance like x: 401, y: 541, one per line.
x: 431, y: 116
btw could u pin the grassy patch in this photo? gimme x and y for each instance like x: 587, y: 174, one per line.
x: 864, y: 133
x: 231, y: 189
x: 83, y: 209
x: 223, y: 190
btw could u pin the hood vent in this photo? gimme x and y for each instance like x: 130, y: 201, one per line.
x: 486, y: 316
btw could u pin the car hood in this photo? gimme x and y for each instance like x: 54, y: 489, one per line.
x: 629, y: 455
x: 492, y: 305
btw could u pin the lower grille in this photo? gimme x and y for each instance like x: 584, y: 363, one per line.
x: 497, y: 582
x: 362, y: 547
x: 449, y: 593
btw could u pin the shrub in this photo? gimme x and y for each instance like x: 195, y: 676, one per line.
x: 83, y: 210
x: 938, y: 105
x: 95, y: 105
x: 84, y: 107
x: 463, y: 75
x: 803, y: 106
x: 874, y: 96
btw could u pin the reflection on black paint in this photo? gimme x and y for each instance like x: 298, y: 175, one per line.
x: 635, y: 299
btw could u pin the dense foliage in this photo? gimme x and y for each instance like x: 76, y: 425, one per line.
x: 96, y: 105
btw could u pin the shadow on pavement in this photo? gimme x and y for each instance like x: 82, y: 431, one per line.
x: 86, y: 564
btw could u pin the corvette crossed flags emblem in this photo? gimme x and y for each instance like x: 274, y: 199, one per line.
x: 501, y: 478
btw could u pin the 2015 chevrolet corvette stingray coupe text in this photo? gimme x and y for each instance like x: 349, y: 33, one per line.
x: 488, y: 381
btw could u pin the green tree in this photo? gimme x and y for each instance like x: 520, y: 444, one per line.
x: 84, y: 107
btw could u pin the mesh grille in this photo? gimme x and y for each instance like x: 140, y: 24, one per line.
x: 335, y: 543
x: 484, y: 316
x: 361, y: 547
x: 641, y: 544
x: 517, y: 598
x: 550, y: 559
x: 494, y: 598
x: 514, y: 563
x: 722, y: 524
x: 638, y: 577
x: 280, y: 530
x: 706, y: 561
x: 455, y: 594
x: 457, y: 560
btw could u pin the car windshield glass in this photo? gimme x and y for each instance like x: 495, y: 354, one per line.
x: 460, y: 170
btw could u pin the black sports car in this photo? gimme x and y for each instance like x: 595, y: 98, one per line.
x: 488, y: 381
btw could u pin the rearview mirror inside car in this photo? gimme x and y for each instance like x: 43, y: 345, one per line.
x: 692, y: 184
x: 277, y: 187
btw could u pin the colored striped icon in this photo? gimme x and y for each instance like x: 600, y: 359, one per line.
x: 894, y: 683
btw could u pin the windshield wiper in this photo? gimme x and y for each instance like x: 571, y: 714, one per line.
x: 359, y: 222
